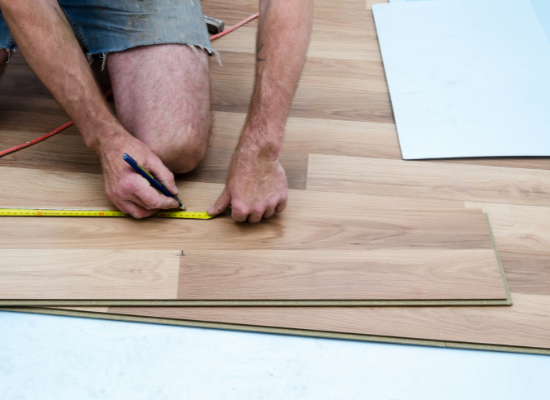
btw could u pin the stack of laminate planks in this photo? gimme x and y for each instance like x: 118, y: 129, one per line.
x: 371, y: 247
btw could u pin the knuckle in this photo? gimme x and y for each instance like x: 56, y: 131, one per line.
x: 258, y: 209
x: 240, y: 210
x: 128, y: 185
x: 155, y: 205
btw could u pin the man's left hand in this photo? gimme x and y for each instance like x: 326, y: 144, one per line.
x: 256, y: 186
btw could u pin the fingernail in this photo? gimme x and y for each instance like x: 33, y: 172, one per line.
x: 210, y: 211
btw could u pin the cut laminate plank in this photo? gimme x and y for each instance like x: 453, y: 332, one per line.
x: 412, y: 276
x: 523, y: 327
x: 343, y: 275
x: 428, y: 180
x: 527, y: 273
x: 88, y: 274
x: 325, y: 247
x: 518, y: 228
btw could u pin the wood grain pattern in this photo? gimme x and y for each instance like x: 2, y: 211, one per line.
x: 528, y: 272
x: 326, y: 246
x: 526, y: 323
x: 428, y: 180
x: 518, y: 228
x: 339, y: 275
x: 88, y: 274
x: 401, y: 229
x: 60, y: 189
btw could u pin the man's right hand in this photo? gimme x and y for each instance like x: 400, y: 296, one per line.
x: 128, y: 190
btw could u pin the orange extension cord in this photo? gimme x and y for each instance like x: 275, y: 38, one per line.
x: 70, y: 123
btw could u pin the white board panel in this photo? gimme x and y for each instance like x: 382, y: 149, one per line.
x: 467, y: 78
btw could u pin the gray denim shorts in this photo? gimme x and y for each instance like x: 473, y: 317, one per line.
x: 105, y: 26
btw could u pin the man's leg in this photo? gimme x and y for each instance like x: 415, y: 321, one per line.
x: 162, y: 96
x: 3, y: 59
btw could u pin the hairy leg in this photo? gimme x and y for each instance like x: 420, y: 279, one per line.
x: 3, y: 59
x: 162, y: 96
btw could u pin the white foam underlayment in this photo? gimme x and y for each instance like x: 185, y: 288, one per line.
x: 468, y: 78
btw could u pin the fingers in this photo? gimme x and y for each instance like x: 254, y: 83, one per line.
x: 281, y: 207
x: 163, y: 174
x: 222, y: 204
x: 150, y: 198
x: 269, y: 212
x: 242, y: 213
x: 137, y: 190
x: 133, y: 209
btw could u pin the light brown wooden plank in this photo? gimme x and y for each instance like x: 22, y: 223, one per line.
x: 428, y: 180
x: 315, y: 97
x: 88, y: 274
x: 214, y: 167
x: 339, y: 275
x: 526, y: 323
x: 452, y: 229
x: 67, y: 189
x: 527, y: 272
x: 318, y: 136
x: 518, y: 228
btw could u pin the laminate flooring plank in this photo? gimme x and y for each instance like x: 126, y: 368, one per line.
x: 318, y: 136
x: 323, y: 275
x: 315, y: 97
x: 527, y: 273
x: 515, y: 162
x: 89, y: 274
x: 428, y: 180
x: 60, y: 189
x: 518, y: 228
x: 214, y: 167
x: 525, y: 324
x: 452, y: 229
x: 339, y: 275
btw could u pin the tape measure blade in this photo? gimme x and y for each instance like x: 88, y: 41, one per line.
x: 28, y: 212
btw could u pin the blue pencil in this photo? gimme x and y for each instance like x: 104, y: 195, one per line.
x: 152, y: 180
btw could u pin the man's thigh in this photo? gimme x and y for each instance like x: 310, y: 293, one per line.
x: 162, y: 96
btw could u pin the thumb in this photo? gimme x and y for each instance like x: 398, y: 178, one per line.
x: 221, y: 204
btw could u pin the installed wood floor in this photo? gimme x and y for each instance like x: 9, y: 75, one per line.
x: 342, y: 109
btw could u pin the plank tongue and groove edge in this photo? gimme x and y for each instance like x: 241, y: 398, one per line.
x: 524, y: 327
x: 324, y: 250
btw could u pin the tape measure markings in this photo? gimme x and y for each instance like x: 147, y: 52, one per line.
x: 27, y: 212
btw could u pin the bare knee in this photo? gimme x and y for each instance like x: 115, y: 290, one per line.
x: 183, y: 153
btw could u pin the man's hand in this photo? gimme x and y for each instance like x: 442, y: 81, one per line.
x: 128, y: 190
x: 256, y: 186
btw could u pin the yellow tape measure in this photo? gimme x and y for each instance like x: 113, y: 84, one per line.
x: 27, y: 212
